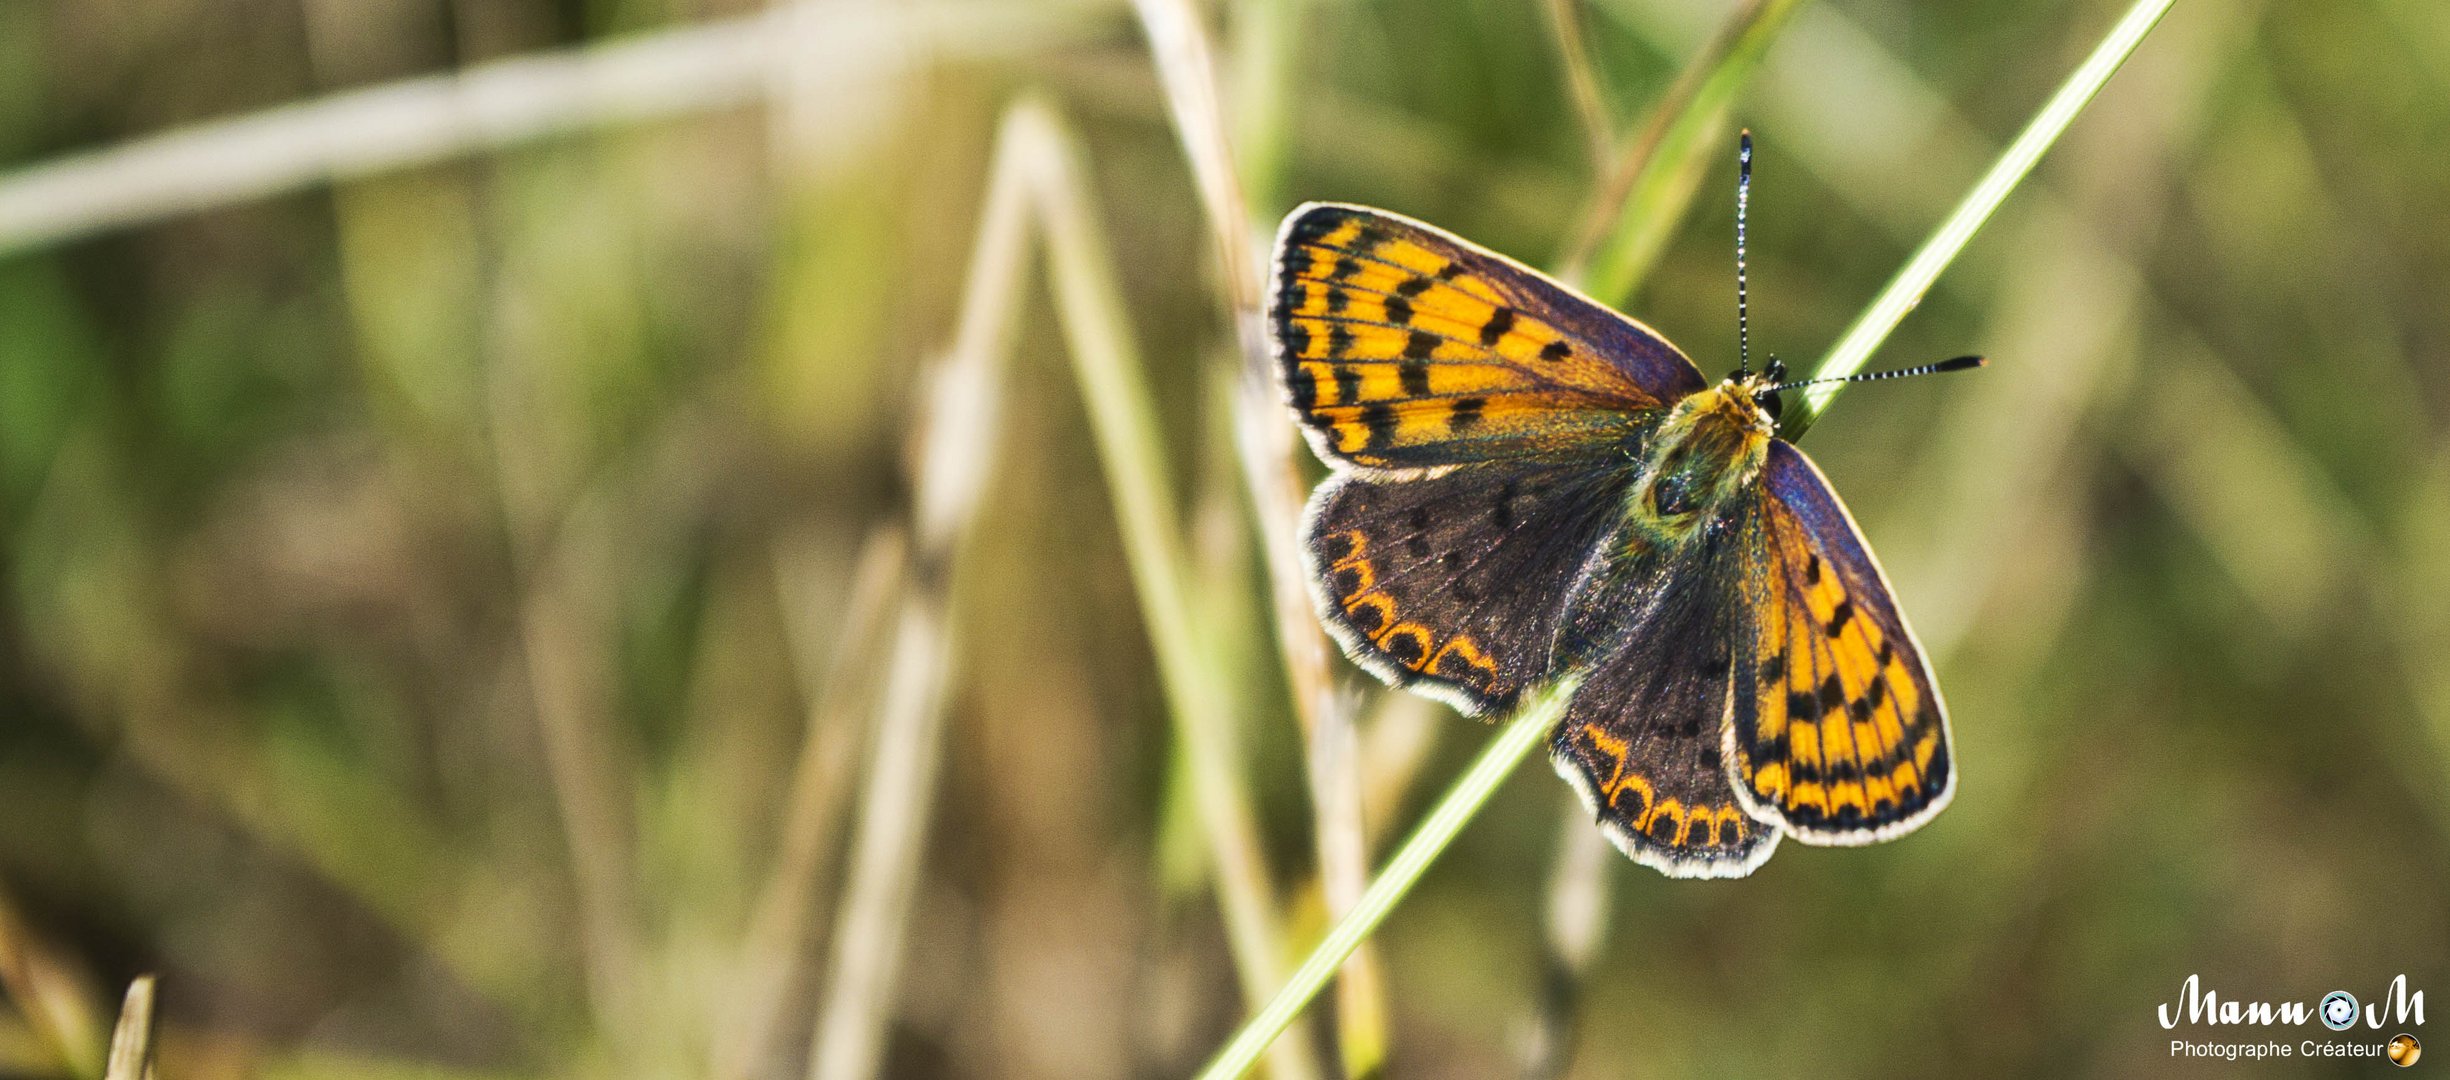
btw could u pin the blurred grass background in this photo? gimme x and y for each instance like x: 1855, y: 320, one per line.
x: 449, y: 609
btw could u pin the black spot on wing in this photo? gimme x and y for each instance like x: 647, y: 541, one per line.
x: 1348, y: 385
x: 1380, y: 420
x: 1405, y: 647
x: 1500, y: 321
x: 1297, y: 262
x: 1367, y: 618
x: 1464, y: 414
x: 1801, y: 707
x: 1347, y: 581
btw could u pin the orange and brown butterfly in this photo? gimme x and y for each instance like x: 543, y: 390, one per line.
x: 1528, y: 484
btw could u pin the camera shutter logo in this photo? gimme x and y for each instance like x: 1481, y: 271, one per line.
x: 2338, y: 1010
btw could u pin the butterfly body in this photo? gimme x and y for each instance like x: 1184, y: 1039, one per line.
x: 1708, y: 450
x: 1529, y: 484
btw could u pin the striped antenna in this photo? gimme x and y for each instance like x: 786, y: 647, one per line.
x: 1743, y: 198
x: 1959, y: 364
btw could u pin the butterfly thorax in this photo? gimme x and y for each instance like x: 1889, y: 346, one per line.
x: 1708, y: 450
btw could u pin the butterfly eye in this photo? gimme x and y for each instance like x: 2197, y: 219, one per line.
x: 1771, y: 403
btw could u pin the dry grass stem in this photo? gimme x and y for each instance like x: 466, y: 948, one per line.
x: 131, y: 1055
x: 1579, y: 888
x: 953, y: 462
x: 489, y: 107
x: 51, y: 990
x: 1122, y: 417
x: 562, y: 627
x: 1395, y: 745
x: 839, y: 690
x: 1582, y: 83
x: 1184, y: 58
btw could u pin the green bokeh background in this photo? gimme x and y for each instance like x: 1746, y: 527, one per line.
x: 316, y: 507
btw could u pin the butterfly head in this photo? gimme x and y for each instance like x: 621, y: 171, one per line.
x: 1761, y: 388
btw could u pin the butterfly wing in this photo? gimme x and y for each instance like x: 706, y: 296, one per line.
x: 1450, y: 584
x: 1642, y: 741
x: 1404, y: 349
x: 1838, y: 732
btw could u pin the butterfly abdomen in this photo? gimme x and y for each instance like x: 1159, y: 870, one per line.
x: 1707, y: 451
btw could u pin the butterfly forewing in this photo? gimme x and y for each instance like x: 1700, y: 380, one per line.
x: 1451, y: 585
x: 1403, y: 348
x: 1838, y: 730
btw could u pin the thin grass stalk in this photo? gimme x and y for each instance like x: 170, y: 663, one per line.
x: 51, y: 991
x: 1514, y: 742
x: 1122, y: 419
x: 131, y: 1053
x: 1395, y: 744
x: 1533, y: 721
x: 1644, y: 197
x: 774, y: 950
x: 1579, y: 894
x: 1265, y: 33
x: 1186, y: 67
x: 562, y: 622
x: 861, y: 982
x: 952, y: 462
x: 1906, y: 290
x: 419, y: 121
x: 1182, y: 53
x: 1582, y: 82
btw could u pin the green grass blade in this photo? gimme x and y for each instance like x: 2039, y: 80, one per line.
x: 1906, y: 289
x: 1513, y: 743
x: 1644, y: 198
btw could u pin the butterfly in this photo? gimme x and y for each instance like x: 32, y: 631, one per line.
x: 1526, y: 483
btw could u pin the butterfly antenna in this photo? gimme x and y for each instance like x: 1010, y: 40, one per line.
x: 1961, y: 363
x: 1743, y: 198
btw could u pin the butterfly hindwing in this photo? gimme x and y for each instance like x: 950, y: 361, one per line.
x: 1642, y: 740
x: 1839, y: 732
x: 1404, y: 348
x: 1450, y: 585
